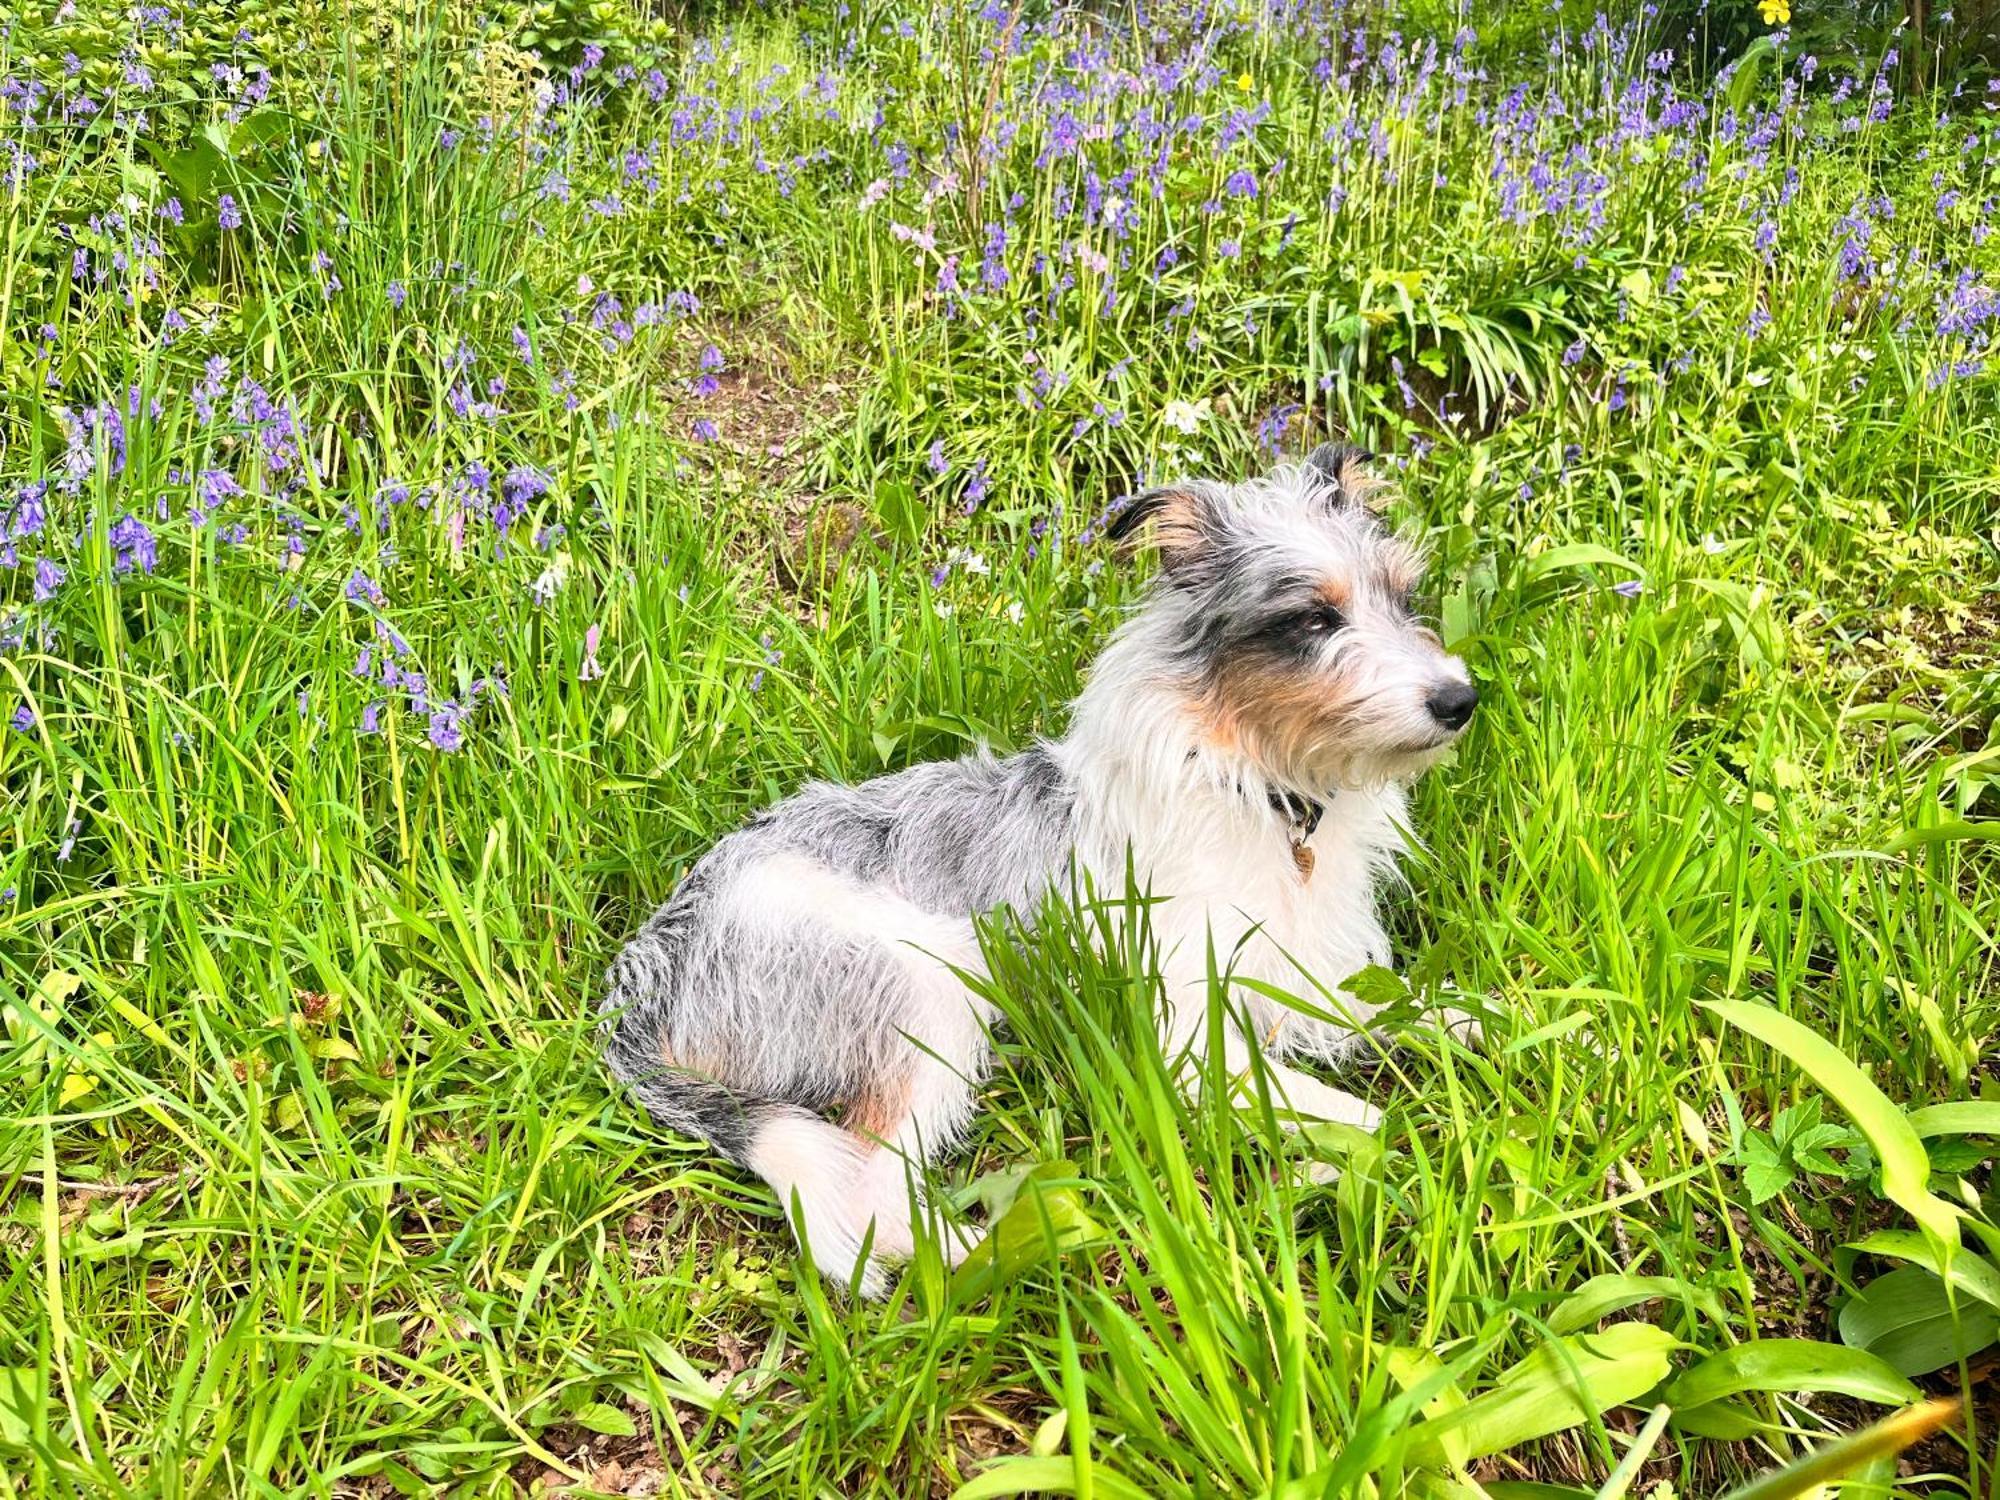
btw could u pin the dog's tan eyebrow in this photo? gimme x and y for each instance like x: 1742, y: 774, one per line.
x: 1334, y: 592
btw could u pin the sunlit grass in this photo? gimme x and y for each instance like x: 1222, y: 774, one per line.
x: 310, y: 1174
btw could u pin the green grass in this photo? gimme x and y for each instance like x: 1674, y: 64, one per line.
x: 310, y: 1182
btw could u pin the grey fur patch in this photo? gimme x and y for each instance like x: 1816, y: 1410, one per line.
x: 716, y: 1019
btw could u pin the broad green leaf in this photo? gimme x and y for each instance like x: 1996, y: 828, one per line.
x: 1907, y: 1318
x: 1576, y: 555
x: 1562, y: 1384
x: 1042, y: 1476
x: 1728, y: 1420
x: 1376, y: 986
x: 602, y: 1416
x: 1960, y: 1117
x: 1790, y: 1365
x: 1765, y: 1173
x: 1045, y: 1220
x: 75, y: 1085
x: 1049, y: 1434
x: 1804, y: 1476
x: 1749, y: 71
x: 1411, y: 1368
x: 1602, y: 1296
x: 1970, y: 1273
x: 1943, y: 833
x: 1905, y: 1168
x: 1809, y: 1148
x: 20, y: 1399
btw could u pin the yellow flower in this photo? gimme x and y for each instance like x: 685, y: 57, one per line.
x: 1243, y: 81
x: 1775, y: 12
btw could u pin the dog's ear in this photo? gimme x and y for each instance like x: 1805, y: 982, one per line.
x: 1345, y: 469
x: 1185, y: 519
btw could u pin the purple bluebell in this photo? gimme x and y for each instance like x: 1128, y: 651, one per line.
x: 133, y: 544
x: 447, y: 726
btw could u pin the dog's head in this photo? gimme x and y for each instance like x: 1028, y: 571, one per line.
x: 1287, y: 619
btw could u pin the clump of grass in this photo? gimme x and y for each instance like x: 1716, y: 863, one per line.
x: 386, y: 449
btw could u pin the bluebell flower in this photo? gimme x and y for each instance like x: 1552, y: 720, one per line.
x: 132, y: 542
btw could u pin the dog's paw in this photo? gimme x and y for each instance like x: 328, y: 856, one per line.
x: 1313, y: 1100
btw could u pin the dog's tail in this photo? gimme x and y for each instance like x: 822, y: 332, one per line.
x: 839, y: 1191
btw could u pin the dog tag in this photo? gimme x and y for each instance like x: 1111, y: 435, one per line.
x: 1303, y: 857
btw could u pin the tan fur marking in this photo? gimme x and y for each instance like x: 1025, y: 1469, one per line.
x: 877, y: 1113
x: 1361, y: 484
x: 1176, y: 527
x: 1281, y: 716
x: 699, y: 1067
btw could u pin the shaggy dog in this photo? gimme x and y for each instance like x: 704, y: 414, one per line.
x: 1243, y: 741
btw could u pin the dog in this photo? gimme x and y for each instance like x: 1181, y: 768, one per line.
x: 1244, y: 740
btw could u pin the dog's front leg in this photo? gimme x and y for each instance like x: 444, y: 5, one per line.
x: 1305, y: 1095
x: 1292, y: 1091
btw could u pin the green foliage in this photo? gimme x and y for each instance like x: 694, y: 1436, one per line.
x: 460, y: 627
x: 561, y: 31
x: 1797, y: 1143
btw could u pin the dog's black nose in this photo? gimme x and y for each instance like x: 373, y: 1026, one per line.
x: 1452, y: 704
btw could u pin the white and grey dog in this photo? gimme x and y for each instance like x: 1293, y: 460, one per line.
x: 1243, y: 738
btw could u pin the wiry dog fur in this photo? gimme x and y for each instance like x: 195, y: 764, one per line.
x: 794, y: 1002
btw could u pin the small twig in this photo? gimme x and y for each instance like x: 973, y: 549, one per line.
x: 143, y: 1189
x: 1618, y: 1233
x: 974, y: 141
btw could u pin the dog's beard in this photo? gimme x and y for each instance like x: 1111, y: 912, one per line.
x: 1346, y: 763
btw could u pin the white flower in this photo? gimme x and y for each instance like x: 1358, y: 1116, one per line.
x: 1014, y: 613
x: 1186, y: 416
x: 552, y: 578
x: 874, y: 193
x: 969, y: 560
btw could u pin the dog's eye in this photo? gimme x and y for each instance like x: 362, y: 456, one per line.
x: 1321, y: 621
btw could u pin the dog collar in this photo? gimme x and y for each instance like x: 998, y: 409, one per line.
x: 1301, y: 814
